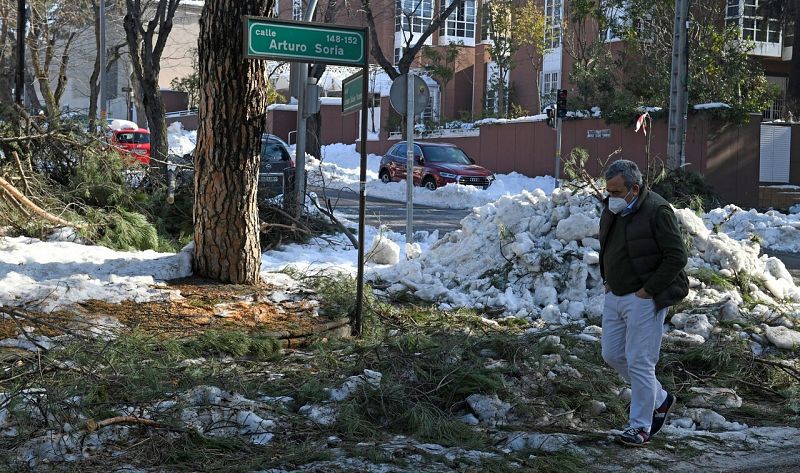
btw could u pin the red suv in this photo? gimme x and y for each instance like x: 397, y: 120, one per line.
x: 435, y: 164
x: 135, y: 142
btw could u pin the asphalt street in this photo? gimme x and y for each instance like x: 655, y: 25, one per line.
x: 393, y: 214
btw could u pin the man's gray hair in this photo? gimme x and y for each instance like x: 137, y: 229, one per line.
x: 628, y: 170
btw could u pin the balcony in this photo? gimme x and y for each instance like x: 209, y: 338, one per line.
x: 765, y: 49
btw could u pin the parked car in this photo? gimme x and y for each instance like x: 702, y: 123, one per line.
x: 274, y: 172
x: 435, y: 165
x: 133, y: 142
x: 275, y: 168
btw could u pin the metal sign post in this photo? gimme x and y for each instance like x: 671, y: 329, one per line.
x: 267, y: 38
x: 409, y: 95
x: 409, y: 159
x: 559, y: 122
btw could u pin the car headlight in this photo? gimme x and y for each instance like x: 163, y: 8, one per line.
x: 492, y: 177
x: 448, y: 175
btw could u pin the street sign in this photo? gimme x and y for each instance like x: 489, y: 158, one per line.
x: 267, y: 38
x: 351, y: 93
x: 398, y: 95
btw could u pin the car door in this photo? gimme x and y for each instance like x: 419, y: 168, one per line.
x: 398, y: 161
x: 419, y: 166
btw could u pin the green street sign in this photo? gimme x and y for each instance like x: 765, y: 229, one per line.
x: 267, y: 38
x: 352, y: 88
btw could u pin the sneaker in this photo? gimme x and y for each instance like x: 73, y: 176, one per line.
x: 660, y: 414
x: 634, y: 437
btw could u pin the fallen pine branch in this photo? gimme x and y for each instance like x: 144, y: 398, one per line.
x: 19, y: 197
x: 92, y: 425
x: 336, y: 222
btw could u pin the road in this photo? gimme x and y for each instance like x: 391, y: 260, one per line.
x: 393, y: 214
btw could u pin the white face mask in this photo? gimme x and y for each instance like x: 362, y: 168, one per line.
x: 618, y: 204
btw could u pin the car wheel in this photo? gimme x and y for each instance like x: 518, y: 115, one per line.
x: 385, y: 177
x: 429, y: 183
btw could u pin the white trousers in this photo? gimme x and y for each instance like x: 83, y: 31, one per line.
x: 631, y: 344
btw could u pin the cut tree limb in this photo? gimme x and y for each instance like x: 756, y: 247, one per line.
x: 92, y: 425
x: 20, y: 198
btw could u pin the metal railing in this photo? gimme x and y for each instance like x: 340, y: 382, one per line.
x: 181, y: 113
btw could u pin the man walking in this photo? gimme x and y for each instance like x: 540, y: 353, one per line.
x: 642, y: 257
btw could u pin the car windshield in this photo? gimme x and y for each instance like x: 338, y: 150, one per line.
x: 446, y: 154
x: 275, y: 151
x: 130, y: 138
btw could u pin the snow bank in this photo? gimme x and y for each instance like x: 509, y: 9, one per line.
x: 508, y: 254
x: 53, y: 274
x: 776, y: 231
x: 536, y: 256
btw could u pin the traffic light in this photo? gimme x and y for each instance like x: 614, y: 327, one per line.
x: 561, y: 103
x: 551, y: 117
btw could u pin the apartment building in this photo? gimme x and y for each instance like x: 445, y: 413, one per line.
x: 469, y: 93
x: 773, y: 45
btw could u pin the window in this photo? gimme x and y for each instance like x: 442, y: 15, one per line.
x: 461, y: 22
x: 398, y: 53
x: 552, y: 12
x: 490, y: 20
x: 491, y: 102
x: 549, y: 87
x: 297, y: 10
x: 413, y: 15
x: 744, y: 14
x: 775, y: 112
x: 431, y: 112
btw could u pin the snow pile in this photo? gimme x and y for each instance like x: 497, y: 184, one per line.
x: 776, y: 231
x: 181, y: 142
x: 536, y: 257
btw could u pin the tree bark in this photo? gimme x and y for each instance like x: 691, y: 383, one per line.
x: 232, y: 115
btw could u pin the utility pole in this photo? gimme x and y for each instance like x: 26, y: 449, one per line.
x: 19, y: 88
x: 678, y: 88
x: 103, y: 60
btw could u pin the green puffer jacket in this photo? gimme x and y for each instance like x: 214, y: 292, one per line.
x: 655, y: 247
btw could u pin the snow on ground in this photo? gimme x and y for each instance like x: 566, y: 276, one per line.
x: 55, y: 274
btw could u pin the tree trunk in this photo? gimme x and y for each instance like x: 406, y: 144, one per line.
x: 6, y: 81
x: 233, y: 102
x: 30, y: 91
x: 157, y: 123
x: 94, y: 84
